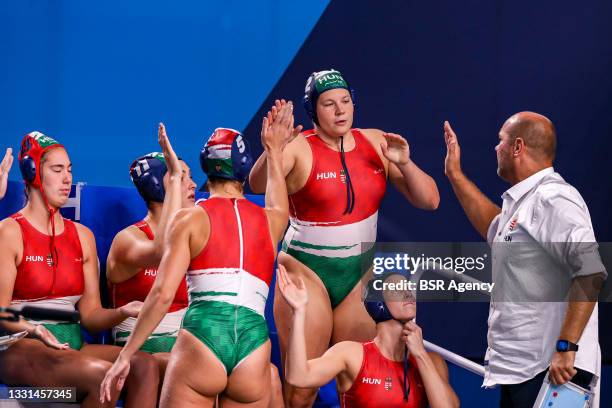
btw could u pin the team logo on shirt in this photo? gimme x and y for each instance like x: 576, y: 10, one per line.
x: 327, y: 175
x: 150, y: 272
x: 39, y: 258
x: 34, y: 258
x: 511, y: 227
x: 342, y: 176
x: 388, y: 383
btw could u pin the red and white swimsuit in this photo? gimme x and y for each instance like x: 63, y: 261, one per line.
x: 235, y: 271
x: 320, y: 235
x: 138, y: 287
x: 38, y: 282
x: 380, y: 383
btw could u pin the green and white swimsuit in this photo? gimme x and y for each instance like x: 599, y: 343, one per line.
x: 228, y: 282
x: 334, y: 244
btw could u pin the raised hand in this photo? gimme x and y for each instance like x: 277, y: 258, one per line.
x: 172, y: 160
x: 413, y: 337
x: 5, y: 167
x: 273, y: 113
x: 116, y: 374
x: 48, y: 338
x: 396, y: 150
x: 295, y: 294
x: 131, y: 309
x: 275, y: 133
x: 452, y: 163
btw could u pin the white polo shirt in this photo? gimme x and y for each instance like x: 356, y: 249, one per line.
x: 533, y: 256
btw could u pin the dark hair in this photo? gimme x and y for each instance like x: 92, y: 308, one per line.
x: 217, y: 181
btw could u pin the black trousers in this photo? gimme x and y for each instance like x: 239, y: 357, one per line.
x: 523, y: 395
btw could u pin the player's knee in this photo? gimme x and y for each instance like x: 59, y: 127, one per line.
x: 93, y: 370
x: 301, y: 397
x: 144, y: 367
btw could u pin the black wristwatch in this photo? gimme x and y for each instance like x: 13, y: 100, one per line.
x: 566, y: 345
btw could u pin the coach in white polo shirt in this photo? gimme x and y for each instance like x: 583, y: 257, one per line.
x: 543, y: 244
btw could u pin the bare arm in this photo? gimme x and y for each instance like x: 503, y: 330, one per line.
x: 94, y: 317
x: 10, y: 236
x: 432, y: 368
x: 174, y: 264
x: 5, y: 167
x: 10, y: 253
x: 273, y: 136
x: 479, y: 209
x: 299, y: 371
x: 418, y: 187
x: 129, y: 252
x: 258, y: 176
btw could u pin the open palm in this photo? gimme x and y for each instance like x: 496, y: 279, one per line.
x: 396, y: 150
x: 295, y: 294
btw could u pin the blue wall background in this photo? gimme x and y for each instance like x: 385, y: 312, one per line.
x: 99, y: 76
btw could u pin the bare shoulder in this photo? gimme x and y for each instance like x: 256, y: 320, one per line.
x: 439, y: 363
x: 129, y: 234
x: 297, y: 145
x: 373, y: 135
x: 186, y: 218
x: 9, y: 231
x: 126, y: 237
x: 84, y: 232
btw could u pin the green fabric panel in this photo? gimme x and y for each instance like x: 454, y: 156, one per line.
x: 67, y: 333
x: 339, y: 275
x: 231, y: 332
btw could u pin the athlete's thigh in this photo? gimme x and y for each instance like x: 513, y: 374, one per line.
x: 194, y: 373
x: 250, y: 380
x: 162, y: 362
x: 319, y: 318
x: 105, y: 352
x: 351, y: 319
x: 33, y: 363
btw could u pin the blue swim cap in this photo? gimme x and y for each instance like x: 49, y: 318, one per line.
x: 147, y: 173
x: 374, y: 301
x: 226, y: 155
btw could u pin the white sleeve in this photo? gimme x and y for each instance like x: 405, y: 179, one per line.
x: 561, y: 224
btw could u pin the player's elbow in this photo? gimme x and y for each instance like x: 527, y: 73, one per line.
x: 161, y: 296
x: 257, y: 185
x: 433, y: 202
x: 299, y: 381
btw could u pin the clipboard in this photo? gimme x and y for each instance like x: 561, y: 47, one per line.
x: 568, y: 395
